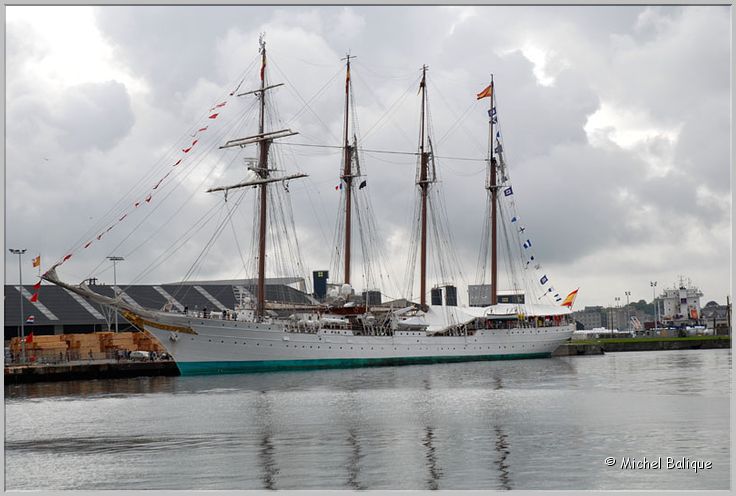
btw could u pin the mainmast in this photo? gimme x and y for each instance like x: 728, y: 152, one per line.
x: 347, y: 173
x: 493, y: 188
x: 423, y: 187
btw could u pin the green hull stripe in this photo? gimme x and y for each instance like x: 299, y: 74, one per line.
x: 201, y: 368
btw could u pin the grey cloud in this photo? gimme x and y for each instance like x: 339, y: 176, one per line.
x: 93, y: 115
x: 567, y: 190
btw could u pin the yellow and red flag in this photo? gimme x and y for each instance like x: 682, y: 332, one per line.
x: 37, y: 261
x: 570, y: 299
x: 486, y: 93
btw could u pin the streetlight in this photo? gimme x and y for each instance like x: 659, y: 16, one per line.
x: 114, y: 261
x: 617, y: 299
x: 653, y: 284
x: 628, y: 317
x: 20, y: 252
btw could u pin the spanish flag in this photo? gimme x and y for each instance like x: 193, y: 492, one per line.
x: 486, y: 93
x: 570, y: 299
x: 37, y: 261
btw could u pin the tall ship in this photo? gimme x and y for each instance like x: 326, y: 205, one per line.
x: 341, y: 330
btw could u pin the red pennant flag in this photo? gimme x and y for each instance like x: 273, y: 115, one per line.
x: 34, y: 298
x: 88, y: 243
x: 148, y: 199
x: 136, y: 204
x: 37, y: 285
x: 99, y: 236
x: 202, y: 129
x: 121, y: 218
x: 213, y: 116
x: 186, y: 150
x: 108, y: 229
x: 177, y: 163
x: 67, y: 257
x: 158, y: 183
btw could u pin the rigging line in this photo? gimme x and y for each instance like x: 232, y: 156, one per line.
x: 161, y: 200
x: 306, y: 104
x: 391, y: 152
x: 152, y: 172
x: 368, y: 68
x: 237, y: 242
x: 386, y: 113
x: 317, y: 94
x: 140, y: 184
x: 459, y: 121
x: 391, y: 108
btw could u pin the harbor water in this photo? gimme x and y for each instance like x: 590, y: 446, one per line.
x: 527, y: 424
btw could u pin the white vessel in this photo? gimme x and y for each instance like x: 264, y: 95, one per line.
x: 259, y: 336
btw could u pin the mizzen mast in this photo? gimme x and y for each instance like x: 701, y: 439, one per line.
x: 492, y: 186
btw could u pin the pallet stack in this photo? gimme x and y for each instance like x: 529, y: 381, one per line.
x: 82, y: 346
x: 41, y: 345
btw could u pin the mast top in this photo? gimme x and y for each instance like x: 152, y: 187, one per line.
x: 262, y: 43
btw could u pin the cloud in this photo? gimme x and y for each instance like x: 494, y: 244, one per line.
x: 615, y: 121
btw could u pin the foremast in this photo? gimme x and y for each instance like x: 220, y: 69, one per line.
x: 262, y: 171
x: 264, y: 140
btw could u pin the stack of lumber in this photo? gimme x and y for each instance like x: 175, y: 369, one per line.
x: 51, y: 344
x: 145, y: 342
x: 82, y: 344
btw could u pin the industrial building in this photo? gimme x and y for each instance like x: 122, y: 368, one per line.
x: 59, y: 311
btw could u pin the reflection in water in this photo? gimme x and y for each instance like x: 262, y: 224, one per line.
x: 267, y: 451
x: 497, y: 383
x: 441, y: 426
x: 92, y: 388
x: 434, y: 471
x: 502, y: 448
x: 354, y: 460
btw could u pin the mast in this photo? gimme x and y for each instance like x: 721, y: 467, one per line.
x: 423, y: 186
x: 347, y: 175
x: 494, y: 201
x: 263, y: 139
x: 263, y: 146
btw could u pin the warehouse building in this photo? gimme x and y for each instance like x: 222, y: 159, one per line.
x: 59, y: 311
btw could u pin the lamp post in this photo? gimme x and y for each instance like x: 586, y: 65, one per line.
x: 653, y: 284
x: 617, y: 305
x: 20, y: 252
x: 628, y: 316
x: 114, y: 261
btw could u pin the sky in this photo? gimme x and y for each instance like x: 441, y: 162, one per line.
x: 615, y: 122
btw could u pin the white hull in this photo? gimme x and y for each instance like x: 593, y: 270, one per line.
x: 222, y: 346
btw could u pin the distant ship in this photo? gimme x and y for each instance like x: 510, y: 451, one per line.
x: 258, y: 335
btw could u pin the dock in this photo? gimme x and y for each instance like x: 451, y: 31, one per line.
x: 606, y: 345
x: 88, y: 369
